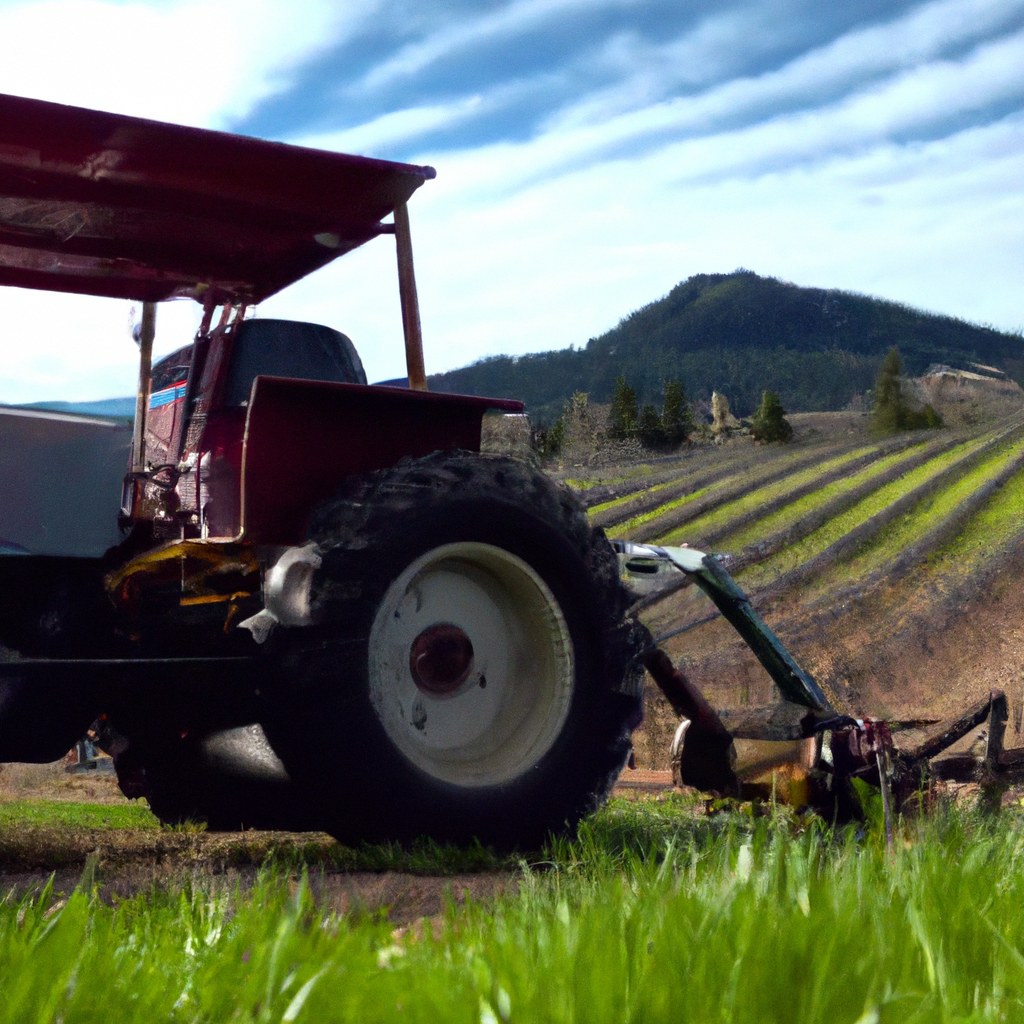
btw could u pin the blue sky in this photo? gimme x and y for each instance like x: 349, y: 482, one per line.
x: 590, y: 155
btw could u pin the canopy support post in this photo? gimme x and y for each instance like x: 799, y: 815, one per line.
x: 146, y: 334
x: 410, y: 303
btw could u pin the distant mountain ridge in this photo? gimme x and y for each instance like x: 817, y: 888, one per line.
x: 111, y: 407
x: 740, y: 334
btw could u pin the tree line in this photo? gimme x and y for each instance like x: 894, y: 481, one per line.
x: 893, y: 410
x: 666, y: 430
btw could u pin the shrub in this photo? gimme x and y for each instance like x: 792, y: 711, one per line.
x: 649, y: 429
x: 676, y: 414
x: 547, y: 440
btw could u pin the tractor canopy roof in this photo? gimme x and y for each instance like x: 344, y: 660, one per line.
x: 104, y: 204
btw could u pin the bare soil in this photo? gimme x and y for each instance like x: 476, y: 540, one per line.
x: 52, y: 782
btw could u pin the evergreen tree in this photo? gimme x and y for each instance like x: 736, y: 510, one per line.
x: 623, y: 416
x: 649, y: 429
x: 676, y: 414
x: 891, y: 412
x: 769, y: 423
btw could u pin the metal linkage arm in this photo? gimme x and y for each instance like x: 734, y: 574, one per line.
x: 992, y: 707
x: 707, y: 572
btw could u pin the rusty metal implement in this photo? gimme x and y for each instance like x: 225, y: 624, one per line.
x: 845, y: 747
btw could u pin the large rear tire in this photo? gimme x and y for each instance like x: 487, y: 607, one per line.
x: 472, y: 672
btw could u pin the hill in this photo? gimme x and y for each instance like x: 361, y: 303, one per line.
x: 741, y: 333
x: 118, y: 408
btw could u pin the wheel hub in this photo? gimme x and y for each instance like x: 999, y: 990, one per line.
x: 441, y: 659
x: 471, y: 664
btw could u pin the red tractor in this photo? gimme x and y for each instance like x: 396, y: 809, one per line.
x: 311, y: 602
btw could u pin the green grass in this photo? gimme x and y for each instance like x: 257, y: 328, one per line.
x: 652, y: 915
x: 57, y: 815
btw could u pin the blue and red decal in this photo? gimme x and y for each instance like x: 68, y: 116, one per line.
x: 167, y: 396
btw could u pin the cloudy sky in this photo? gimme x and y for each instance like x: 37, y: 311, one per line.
x: 590, y: 155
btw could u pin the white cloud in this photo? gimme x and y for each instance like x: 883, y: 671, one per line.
x: 938, y: 225
x: 195, y: 62
x: 635, y: 107
x: 908, y: 98
x: 504, y: 22
x: 394, y: 127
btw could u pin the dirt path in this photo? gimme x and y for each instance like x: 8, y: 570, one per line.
x: 403, y: 898
x: 126, y: 862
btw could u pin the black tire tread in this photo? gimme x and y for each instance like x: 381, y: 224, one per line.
x: 362, y: 534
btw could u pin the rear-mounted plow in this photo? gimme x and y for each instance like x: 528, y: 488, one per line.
x: 837, y: 747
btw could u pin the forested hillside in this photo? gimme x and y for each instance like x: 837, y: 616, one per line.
x: 741, y: 334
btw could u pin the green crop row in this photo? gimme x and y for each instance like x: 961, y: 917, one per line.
x: 582, y: 483
x: 918, y: 522
x: 826, y: 535
x: 685, y: 469
x: 632, y: 496
x: 796, y: 510
x: 992, y: 532
x: 623, y: 529
x: 653, y: 915
x: 730, y: 481
x: 760, y: 496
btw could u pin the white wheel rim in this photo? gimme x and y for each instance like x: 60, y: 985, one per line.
x: 471, y: 734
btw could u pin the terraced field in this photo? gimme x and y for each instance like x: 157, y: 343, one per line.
x: 890, y: 567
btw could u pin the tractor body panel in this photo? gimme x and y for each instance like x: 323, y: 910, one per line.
x: 60, y: 480
x: 257, y: 423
